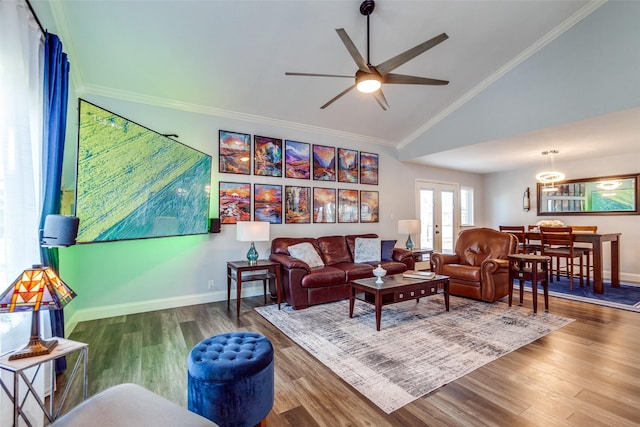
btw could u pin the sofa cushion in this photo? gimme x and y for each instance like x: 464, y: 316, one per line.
x: 306, y: 252
x: 355, y: 271
x: 367, y: 250
x: 280, y: 245
x: 351, y: 241
x: 386, y: 251
x: 321, y: 277
x: 334, y: 250
x: 393, y: 267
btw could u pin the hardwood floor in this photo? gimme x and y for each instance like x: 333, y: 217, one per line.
x: 586, y: 374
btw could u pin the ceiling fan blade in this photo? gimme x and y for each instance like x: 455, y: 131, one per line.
x: 382, y: 101
x: 315, y: 75
x: 412, y: 80
x: 338, y: 96
x: 353, y: 50
x: 393, y: 63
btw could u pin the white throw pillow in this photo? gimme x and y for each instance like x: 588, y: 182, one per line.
x: 307, y: 253
x: 367, y: 250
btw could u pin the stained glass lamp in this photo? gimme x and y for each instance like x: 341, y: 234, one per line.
x: 37, y: 288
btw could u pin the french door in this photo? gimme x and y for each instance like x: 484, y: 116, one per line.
x: 439, y: 213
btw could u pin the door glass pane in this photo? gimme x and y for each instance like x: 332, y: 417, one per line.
x: 447, y: 220
x: 427, y: 219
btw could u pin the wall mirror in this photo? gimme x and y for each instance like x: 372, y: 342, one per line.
x: 608, y: 195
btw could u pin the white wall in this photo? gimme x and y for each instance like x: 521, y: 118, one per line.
x: 503, y: 205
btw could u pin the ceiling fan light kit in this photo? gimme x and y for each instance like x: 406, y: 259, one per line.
x: 369, y: 78
x: 367, y: 82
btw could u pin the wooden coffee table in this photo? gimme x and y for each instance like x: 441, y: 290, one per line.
x: 395, y: 289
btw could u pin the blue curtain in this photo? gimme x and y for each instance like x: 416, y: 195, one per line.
x: 56, y: 95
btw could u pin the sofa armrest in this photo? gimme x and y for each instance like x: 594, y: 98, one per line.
x: 400, y: 254
x: 440, y: 259
x: 492, y: 265
x: 290, y: 262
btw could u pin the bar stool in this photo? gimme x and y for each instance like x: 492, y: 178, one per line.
x: 533, y: 268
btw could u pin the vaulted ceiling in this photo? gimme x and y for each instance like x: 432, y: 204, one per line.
x: 228, y: 58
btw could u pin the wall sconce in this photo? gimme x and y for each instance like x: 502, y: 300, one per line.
x: 526, y: 200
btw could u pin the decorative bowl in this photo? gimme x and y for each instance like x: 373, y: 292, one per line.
x: 379, y: 272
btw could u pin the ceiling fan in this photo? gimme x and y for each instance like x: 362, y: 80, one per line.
x: 370, y: 78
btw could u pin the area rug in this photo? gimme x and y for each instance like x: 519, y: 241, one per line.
x: 626, y: 297
x: 420, y: 346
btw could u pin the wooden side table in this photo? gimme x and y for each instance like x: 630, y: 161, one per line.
x: 235, y: 269
x: 534, y: 268
x: 19, y: 366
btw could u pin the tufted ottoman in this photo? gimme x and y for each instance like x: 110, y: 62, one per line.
x: 230, y: 379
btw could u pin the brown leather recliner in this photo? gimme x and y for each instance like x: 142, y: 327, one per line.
x: 479, y: 268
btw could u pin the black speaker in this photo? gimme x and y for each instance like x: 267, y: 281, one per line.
x: 60, y: 230
x: 214, y: 225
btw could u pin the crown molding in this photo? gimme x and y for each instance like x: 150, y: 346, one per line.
x: 218, y: 112
x: 523, y: 56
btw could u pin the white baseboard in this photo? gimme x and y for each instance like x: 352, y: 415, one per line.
x: 87, y: 314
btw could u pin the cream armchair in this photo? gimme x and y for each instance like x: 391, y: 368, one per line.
x: 479, y: 268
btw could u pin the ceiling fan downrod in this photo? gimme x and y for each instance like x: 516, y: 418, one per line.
x: 366, y: 8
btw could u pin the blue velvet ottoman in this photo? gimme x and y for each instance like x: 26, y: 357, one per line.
x: 230, y: 379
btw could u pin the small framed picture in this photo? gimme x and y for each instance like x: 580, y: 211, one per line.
x: 347, y: 205
x: 324, y: 163
x: 369, y: 206
x: 368, y: 168
x: 324, y: 205
x: 297, y: 205
x: 347, y: 165
x: 267, y: 156
x: 267, y: 202
x: 234, y: 153
x: 234, y: 202
x: 297, y: 159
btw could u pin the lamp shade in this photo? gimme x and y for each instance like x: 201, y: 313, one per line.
x: 252, y: 231
x: 408, y: 226
x: 37, y: 288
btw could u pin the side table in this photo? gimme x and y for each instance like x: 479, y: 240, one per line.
x: 19, y: 366
x: 235, y: 270
x: 534, y: 268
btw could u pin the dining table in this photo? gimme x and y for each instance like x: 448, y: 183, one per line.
x: 597, y: 240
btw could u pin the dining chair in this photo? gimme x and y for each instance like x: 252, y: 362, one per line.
x: 586, y: 246
x: 557, y: 243
x: 518, y: 231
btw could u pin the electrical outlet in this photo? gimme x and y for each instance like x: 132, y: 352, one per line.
x: 210, y: 284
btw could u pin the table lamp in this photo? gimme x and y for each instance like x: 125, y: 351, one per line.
x: 252, y: 231
x: 37, y: 288
x: 409, y: 226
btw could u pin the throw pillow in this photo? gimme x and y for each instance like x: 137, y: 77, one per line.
x: 307, y: 253
x: 367, y: 250
x: 387, y: 250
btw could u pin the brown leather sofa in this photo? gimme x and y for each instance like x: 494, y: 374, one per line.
x: 305, y: 286
x: 479, y: 268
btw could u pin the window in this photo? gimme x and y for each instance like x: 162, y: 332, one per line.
x: 466, y: 206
